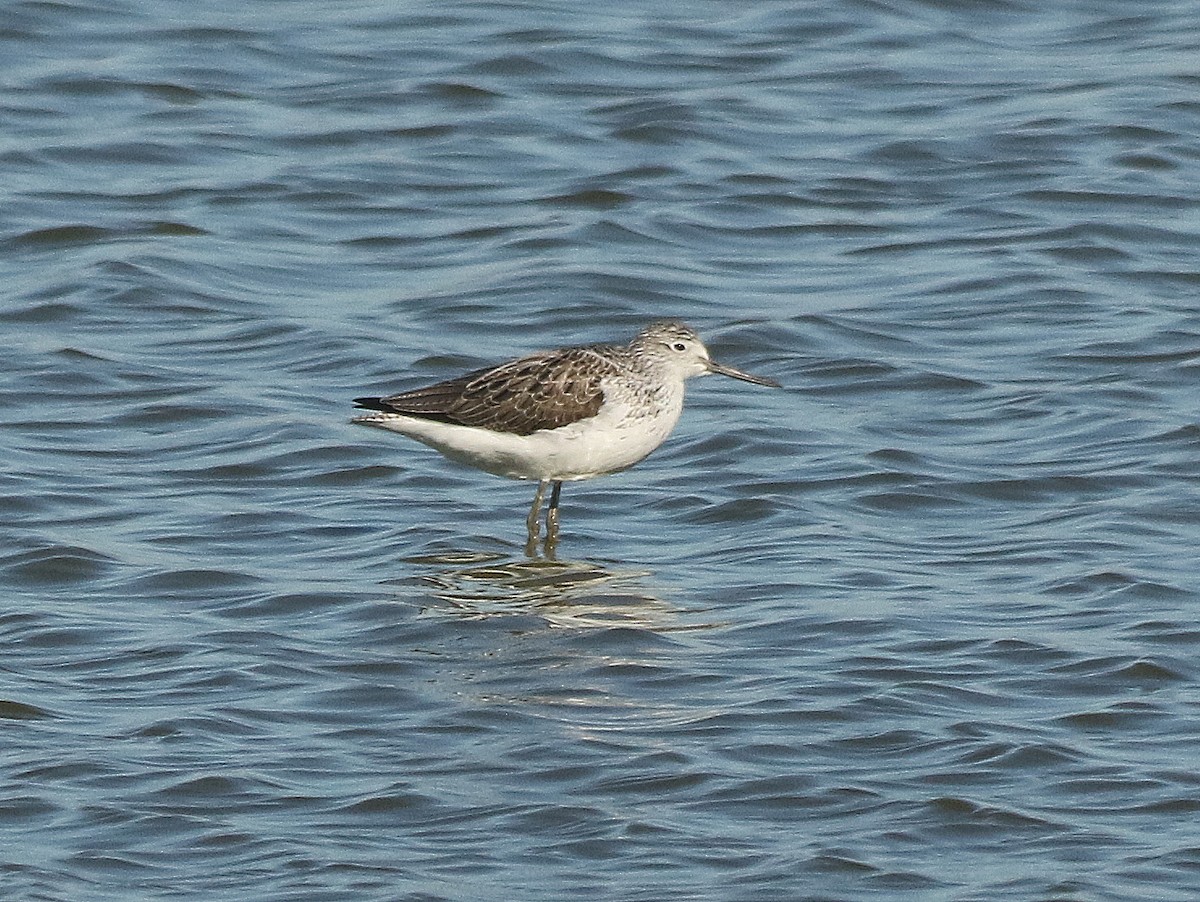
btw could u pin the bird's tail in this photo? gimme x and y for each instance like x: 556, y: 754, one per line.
x: 370, y: 403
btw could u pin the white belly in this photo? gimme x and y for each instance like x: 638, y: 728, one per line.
x: 606, y: 443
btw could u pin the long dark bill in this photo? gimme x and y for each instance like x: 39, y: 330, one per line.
x: 738, y: 374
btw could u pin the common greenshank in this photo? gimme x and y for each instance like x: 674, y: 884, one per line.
x: 557, y: 416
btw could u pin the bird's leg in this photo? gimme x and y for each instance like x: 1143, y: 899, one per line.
x: 533, y: 521
x: 552, y: 514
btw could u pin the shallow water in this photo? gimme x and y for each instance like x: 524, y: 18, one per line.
x: 920, y: 626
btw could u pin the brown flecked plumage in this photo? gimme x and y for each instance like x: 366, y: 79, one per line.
x: 542, y: 391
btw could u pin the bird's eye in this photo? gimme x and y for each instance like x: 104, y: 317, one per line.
x: 679, y: 346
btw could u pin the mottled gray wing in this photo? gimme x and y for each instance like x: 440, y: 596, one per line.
x: 542, y: 391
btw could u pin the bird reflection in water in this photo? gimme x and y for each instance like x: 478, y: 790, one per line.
x: 563, y: 593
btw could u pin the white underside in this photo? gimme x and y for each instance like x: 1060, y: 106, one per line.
x: 606, y: 443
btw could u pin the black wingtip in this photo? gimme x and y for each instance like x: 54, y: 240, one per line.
x: 370, y: 403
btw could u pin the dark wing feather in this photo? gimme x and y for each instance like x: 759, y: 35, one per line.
x: 542, y: 391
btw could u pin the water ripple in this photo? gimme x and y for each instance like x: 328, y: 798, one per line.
x: 930, y: 602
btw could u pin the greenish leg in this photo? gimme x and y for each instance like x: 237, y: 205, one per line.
x: 532, y: 522
x: 552, y: 513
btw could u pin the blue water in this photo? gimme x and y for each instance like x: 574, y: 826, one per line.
x: 920, y: 626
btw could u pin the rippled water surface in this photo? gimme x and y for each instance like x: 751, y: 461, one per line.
x: 923, y: 625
